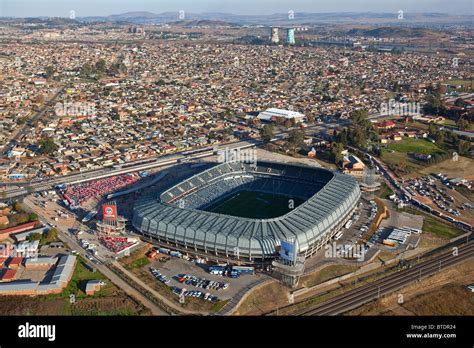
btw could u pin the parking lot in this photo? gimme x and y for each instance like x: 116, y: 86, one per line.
x: 361, y: 221
x: 175, y: 267
x: 437, y: 192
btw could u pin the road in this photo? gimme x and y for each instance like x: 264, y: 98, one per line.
x: 49, y: 184
x: 366, y: 293
x: 26, y: 127
x: 119, y: 282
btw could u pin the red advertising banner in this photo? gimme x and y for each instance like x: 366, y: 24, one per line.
x: 109, y: 212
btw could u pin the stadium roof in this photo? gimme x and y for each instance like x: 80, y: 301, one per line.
x: 308, y: 223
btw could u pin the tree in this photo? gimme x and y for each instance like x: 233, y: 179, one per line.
x: 464, y: 147
x: 434, y: 104
x: 17, y: 207
x: 295, y: 139
x: 336, y: 152
x: 33, y: 217
x: 463, y: 124
x: 342, y: 136
x: 47, y: 146
x: 50, y: 71
x: 117, y: 69
x: 266, y: 133
x: 211, y: 135
x: 100, y: 66
x: 50, y: 236
x: 361, y: 129
x: 461, y: 103
x: 34, y: 236
x: 436, y: 134
x: 310, y: 118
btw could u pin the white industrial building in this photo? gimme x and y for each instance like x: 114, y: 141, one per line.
x: 271, y: 113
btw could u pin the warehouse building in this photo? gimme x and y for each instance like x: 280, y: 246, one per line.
x: 274, y: 114
x: 61, y: 277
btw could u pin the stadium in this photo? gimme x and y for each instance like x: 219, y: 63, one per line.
x: 241, y: 212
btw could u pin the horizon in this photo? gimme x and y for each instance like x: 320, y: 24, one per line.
x: 104, y: 8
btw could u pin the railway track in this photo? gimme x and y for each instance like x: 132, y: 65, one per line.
x: 366, y: 293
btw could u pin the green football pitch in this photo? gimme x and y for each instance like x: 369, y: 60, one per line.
x: 255, y: 205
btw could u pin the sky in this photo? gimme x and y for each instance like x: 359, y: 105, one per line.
x: 83, y: 8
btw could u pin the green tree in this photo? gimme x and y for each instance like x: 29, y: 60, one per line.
x: 266, y: 133
x: 461, y: 103
x: 17, y: 207
x: 361, y: 129
x: 434, y: 104
x: 34, y: 236
x: 336, y: 152
x: 100, y: 66
x: 47, y: 146
x: 295, y: 139
x: 50, y: 236
x: 463, y: 124
x: 464, y: 147
x: 33, y: 217
x: 50, y: 71
x: 211, y: 135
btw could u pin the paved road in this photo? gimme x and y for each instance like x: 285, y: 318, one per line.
x: 119, y: 282
x: 48, y: 184
x: 26, y: 127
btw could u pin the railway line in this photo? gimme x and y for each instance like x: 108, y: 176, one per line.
x: 366, y: 293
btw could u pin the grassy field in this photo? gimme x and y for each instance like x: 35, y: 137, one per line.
x: 408, y: 145
x: 444, y: 293
x: 435, y: 226
x: 385, y: 192
x: 264, y: 300
x: 108, y: 301
x: 440, y: 229
x: 451, y: 299
x: 142, y: 261
x: 397, y: 153
x: 79, y: 278
x: 326, y: 273
x: 254, y: 205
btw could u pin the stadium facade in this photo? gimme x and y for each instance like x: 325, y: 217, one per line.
x: 178, y: 216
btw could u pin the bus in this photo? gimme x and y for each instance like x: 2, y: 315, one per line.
x: 338, y: 235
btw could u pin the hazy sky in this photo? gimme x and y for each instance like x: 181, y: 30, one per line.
x: 61, y: 8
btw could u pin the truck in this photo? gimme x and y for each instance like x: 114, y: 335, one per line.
x: 242, y: 269
x: 175, y: 253
x: 164, y: 250
x: 348, y: 224
x: 217, y: 270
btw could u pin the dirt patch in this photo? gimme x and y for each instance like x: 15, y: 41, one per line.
x: 264, y: 300
x: 117, y: 305
x: 458, y: 169
x: 26, y: 305
x: 329, y: 272
x: 442, y: 294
